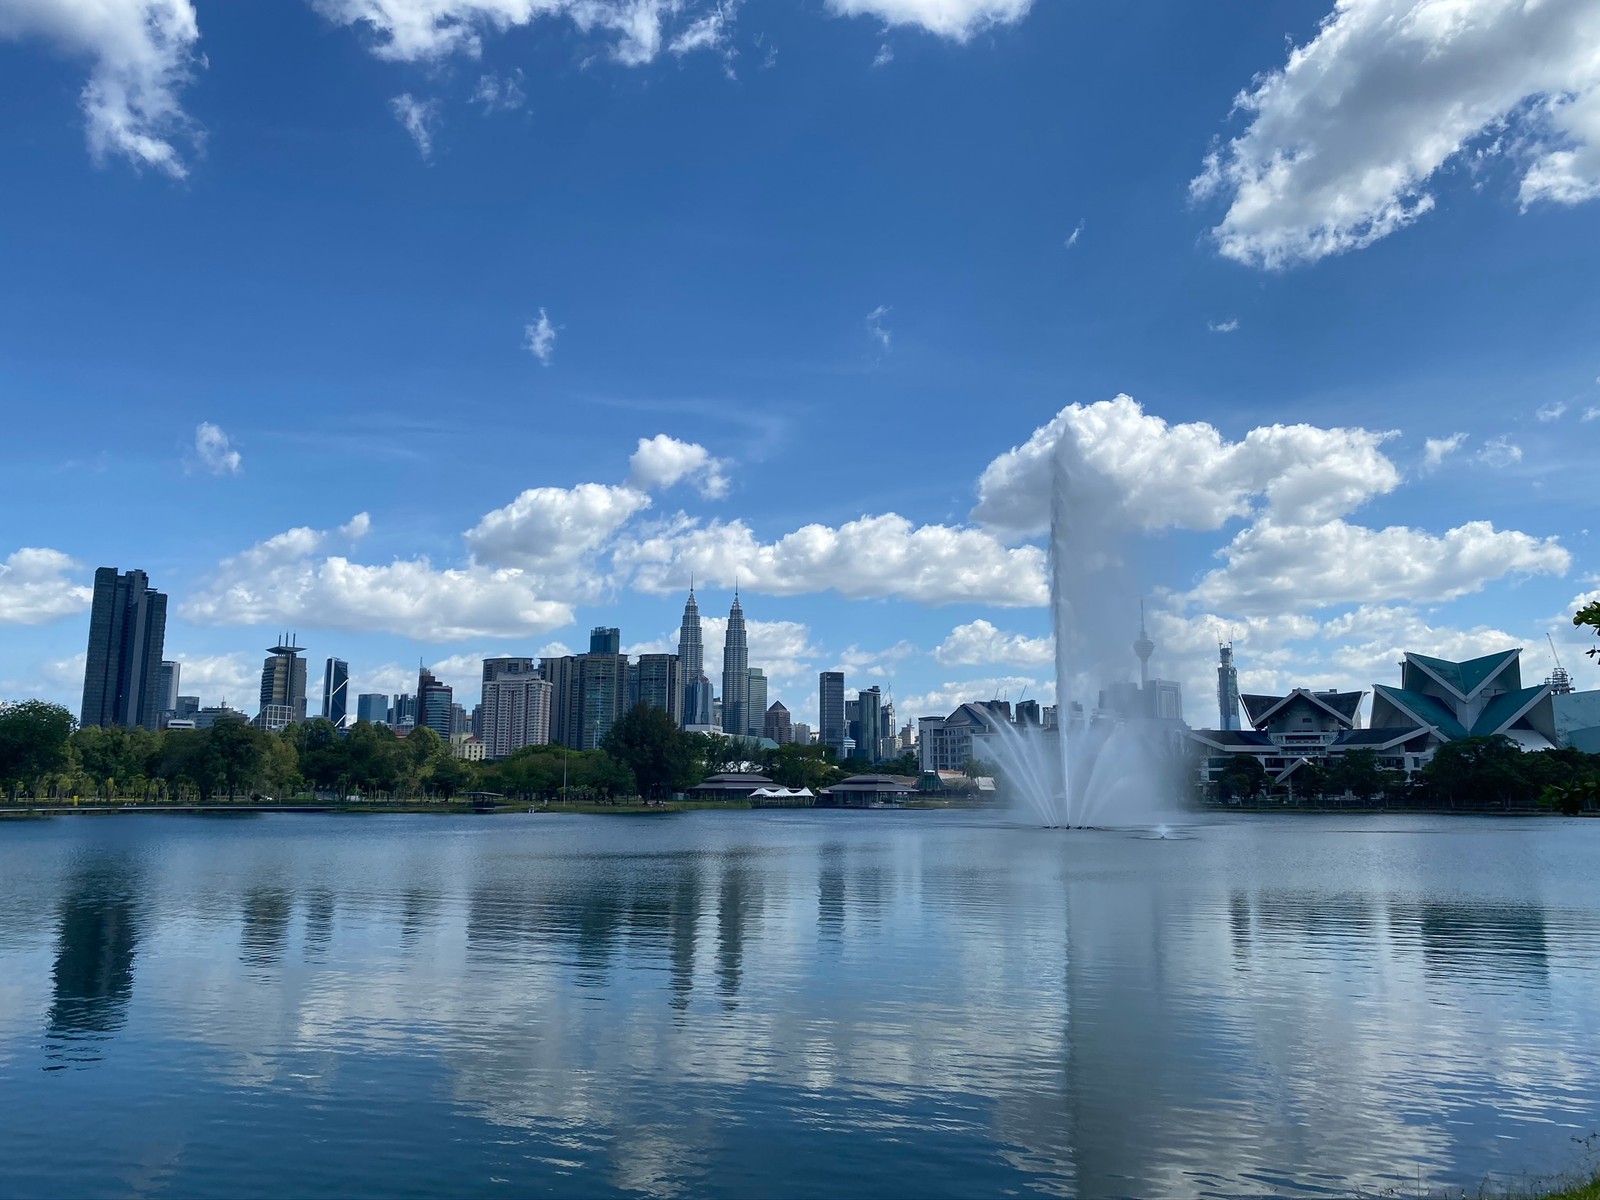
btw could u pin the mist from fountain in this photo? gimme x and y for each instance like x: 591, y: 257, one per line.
x: 1091, y: 772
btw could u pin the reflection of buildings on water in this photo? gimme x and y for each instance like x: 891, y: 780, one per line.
x: 266, y: 926
x: 93, y: 977
x: 1481, y: 941
x: 319, y: 924
x: 684, y: 923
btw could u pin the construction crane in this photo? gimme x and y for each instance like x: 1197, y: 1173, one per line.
x: 1560, y: 682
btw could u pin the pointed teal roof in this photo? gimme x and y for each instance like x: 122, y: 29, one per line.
x: 1425, y: 708
x: 1504, y: 709
x: 1465, y: 677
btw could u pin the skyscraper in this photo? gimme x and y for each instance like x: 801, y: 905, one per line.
x: 336, y: 691
x: 515, y: 709
x: 735, y: 674
x: 127, y: 633
x: 434, y: 701
x: 602, y: 697
x: 1227, y: 687
x: 756, y: 702
x: 659, y: 684
x: 403, y: 712
x: 692, y: 666
x: 604, y: 639
x: 372, y: 707
x: 870, y: 714
x: 565, y: 714
x: 1143, y: 647
x: 831, y: 729
x: 778, y: 726
x: 283, y: 686
x: 170, y: 671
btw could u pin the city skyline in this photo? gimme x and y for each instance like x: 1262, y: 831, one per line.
x: 1334, y: 432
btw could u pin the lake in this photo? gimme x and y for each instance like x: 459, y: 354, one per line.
x: 795, y: 1003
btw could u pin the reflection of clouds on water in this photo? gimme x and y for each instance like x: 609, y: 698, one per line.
x: 1106, y: 1015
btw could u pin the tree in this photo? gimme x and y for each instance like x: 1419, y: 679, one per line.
x: 648, y: 742
x: 796, y: 766
x: 1589, y: 615
x: 33, y: 743
x: 1356, y: 772
x: 1480, y: 771
x: 1244, y: 777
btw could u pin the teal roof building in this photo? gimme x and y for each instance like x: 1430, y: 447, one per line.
x: 1440, y: 701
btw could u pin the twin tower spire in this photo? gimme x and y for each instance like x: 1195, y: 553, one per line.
x: 735, y: 669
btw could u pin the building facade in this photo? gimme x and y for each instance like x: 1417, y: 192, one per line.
x: 755, y: 698
x: 283, y: 680
x: 831, y: 728
x: 735, y: 674
x: 127, y: 634
x: 1227, y: 688
x: 695, y: 707
x: 869, y: 720
x: 170, y: 673
x: 434, y: 704
x: 373, y: 708
x: 336, y: 691
x: 658, y: 683
x: 777, y: 725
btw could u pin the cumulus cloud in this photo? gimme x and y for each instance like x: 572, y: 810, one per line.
x: 142, y: 51
x: 417, y: 118
x: 872, y: 557
x: 549, y: 527
x: 957, y: 20
x: 215, y: 452
x: 1345, y: 139
x: 286, y: 580
x: 980, y: 643
x: 232, y: 679
x: 357, y: 527
x: 875, y: 325
x: 1298, y: 567
x: 1436, y: 450
x: 947, y: 697
x: 1188, y: 476
x: 1500, y: 452
x: 662, y: 461
x: 539, y: 338
x: 38, y: 585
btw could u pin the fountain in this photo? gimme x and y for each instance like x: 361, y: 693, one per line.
x: 1092, y: 772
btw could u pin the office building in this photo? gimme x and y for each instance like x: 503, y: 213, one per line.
x: 735, y: 673
x: 778, y: 727
x: 186, y: 707
x: 755, y: 698
x: 562, y: 675
x: 605, y: 639
x: 696, y: 704
x: 373, y: 708
x: 283, y: 681
x: 205, y: 718
x: 336, y: 691
x: 515, y: 709
x: 802, y: 734
x: 1227, y: 687
x: 434, y: 703
x: 869, y: 719
x: 657, y: 683
x: 168, y: 687
x: 603, y: 685
x: 831, y: 728
x: 127, y: 634
x: 403, y: 712
x: 1167, y: 699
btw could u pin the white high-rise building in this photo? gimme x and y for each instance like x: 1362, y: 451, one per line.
x: 515, y: 709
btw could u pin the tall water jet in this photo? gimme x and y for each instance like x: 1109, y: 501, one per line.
x: 1098, y: 769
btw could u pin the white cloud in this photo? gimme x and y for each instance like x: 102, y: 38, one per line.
x: 662, y: 461
x: 417, y: 118
x: 1591, y: 414
x: 783, y: 649
x: 954, y: 19
x: 548, y: 528
x: 357, y: 527
x: 1500, y: 452
x: 884, y: 56
x: 1228, y: 326
x: 706, y: 32
x: 1436, y: 450
x: 500, y: 93
x: 285, y: 581
x: 142, y: 53
x: 539, y: 338
x: 1186, y: 476
x: 215, y: 452
x: 1345, y: 138
x: 36, y: 585
x: 979, y: 643
x: 430, y: 30
x: 1272, y: 567
x: 1077, y: 232
x: 234, y: 679
x: 1553, y: 411
x: 872, y: 557
x: 875, y: 325
x: 875, y: 664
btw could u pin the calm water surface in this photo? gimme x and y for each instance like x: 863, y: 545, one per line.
x: 791, y: 1004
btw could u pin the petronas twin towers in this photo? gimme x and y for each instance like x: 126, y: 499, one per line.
x: 736, y: 715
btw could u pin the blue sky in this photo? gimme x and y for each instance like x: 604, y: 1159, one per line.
x: 571, y: 300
